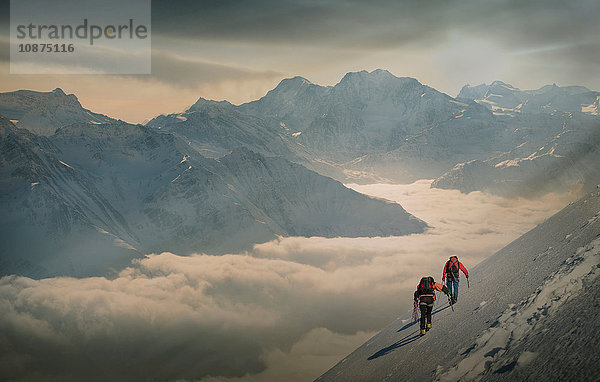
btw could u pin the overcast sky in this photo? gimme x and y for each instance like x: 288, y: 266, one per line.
x: 238, y: 50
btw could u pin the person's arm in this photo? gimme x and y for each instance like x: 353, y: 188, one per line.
x: 441, y: 288
x: 444, y: 275
x: 462, y: 268
x: 416, y: 296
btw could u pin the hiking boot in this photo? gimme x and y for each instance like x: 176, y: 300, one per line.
x: 423, y: 332
x: 428, y: 327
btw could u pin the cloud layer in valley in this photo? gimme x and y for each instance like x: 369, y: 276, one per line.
x: 288, y: 309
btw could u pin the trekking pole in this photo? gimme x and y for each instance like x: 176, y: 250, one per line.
x: 450, y: 302
x: 467, y: 282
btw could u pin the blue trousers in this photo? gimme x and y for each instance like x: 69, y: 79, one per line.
x: 452, y: 288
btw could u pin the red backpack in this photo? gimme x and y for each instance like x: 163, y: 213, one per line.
x: 452, y: 266
x: 426, y: 286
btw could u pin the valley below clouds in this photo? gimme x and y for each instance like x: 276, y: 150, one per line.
x: 289, y: 308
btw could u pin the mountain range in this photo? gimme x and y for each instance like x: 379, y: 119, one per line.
x: 90, y: 192
x: 379, y: 127
x: 93, y: 196
x: 560, y: 154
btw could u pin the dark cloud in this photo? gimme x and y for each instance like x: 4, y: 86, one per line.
x: 422, y: 27
x: 259, y: 38
x: 365, y: 24
x: 344, y: 23
x: 190, y: 73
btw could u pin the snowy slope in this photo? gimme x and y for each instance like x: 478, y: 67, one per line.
x: 504, y: 98
x: 215, y: 128
x: 556, y: 146
x: 364, y: 113
x: 531, y: 313
x: 563, y: 162
x: 50, y: 207
x: 44, y: 112
x: 305, y: 204
x: 92, y: 196
x: 374, y: 126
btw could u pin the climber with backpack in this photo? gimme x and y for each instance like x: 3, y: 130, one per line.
x: 451, y: 276
x: 425, y: 297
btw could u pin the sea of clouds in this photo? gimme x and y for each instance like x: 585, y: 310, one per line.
x: 287, y: 310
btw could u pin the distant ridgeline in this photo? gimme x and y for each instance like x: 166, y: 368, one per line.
x: 83, y: 192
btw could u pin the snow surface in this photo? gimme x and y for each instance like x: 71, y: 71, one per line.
x: 531, y: 313
x: 519, y: 320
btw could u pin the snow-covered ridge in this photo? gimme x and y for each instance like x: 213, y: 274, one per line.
x: 44, y: 112
x: 92, y: 197
x: 547, y: 99
x: 563, y: 162
x: 530, y: 314
x: 527, y: 317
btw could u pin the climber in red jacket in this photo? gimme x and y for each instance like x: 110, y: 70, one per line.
x: 451, y: 276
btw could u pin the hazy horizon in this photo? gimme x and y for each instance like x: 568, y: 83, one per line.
x: 183, y: 107
x: 237, y: 51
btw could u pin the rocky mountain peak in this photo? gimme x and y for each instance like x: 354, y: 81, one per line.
x: 58, y: 92
x: 206, y: 104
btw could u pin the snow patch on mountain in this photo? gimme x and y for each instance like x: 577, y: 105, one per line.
x: 519, y: 320
x: 593, y: 108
